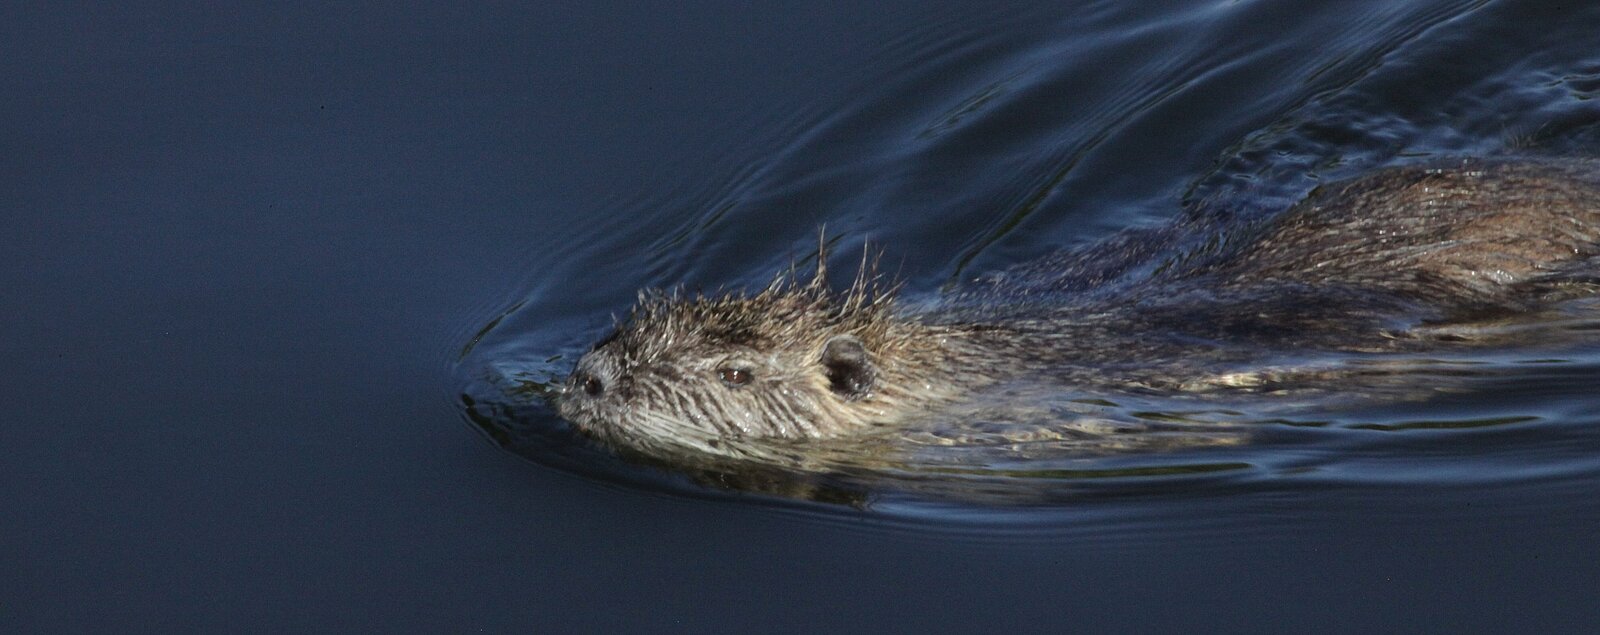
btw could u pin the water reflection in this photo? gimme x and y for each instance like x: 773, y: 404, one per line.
x: 1093, y: 447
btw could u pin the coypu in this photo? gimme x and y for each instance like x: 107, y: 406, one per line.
x: 1354, y: 267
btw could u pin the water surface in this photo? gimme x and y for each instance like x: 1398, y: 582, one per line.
x: 252, y: 255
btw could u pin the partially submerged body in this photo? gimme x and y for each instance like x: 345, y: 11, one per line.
x: 1198, y: 305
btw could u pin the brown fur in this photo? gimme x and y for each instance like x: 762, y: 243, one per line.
x: 1340, y: 271
x: 670, y: 350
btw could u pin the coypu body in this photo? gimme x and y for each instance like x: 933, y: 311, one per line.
x: 1354, y: 267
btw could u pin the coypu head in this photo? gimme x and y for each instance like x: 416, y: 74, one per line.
x: 793, y: 361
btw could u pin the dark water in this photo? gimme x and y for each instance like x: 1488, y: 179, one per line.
x: 249, y: 251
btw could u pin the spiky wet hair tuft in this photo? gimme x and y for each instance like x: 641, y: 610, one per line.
x: 792, y: 309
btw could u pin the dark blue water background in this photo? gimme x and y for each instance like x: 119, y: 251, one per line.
x: 255, y: 257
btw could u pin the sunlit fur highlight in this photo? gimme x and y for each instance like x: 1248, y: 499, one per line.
x: 1350, y: 268
x: 664, y: 357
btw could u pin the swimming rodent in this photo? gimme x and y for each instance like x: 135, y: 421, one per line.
x: 1355, y: 266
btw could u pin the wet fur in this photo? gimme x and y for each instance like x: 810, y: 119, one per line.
x: 1353, y: 267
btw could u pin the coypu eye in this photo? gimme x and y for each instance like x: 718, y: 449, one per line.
x: 735, y: 377
x: 592, y: 386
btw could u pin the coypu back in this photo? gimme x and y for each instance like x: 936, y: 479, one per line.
x: 1469, y: 235
x: 1480, y: 235
x: 1344, y: 270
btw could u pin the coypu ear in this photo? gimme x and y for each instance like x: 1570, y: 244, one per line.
x: 849, y: 369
